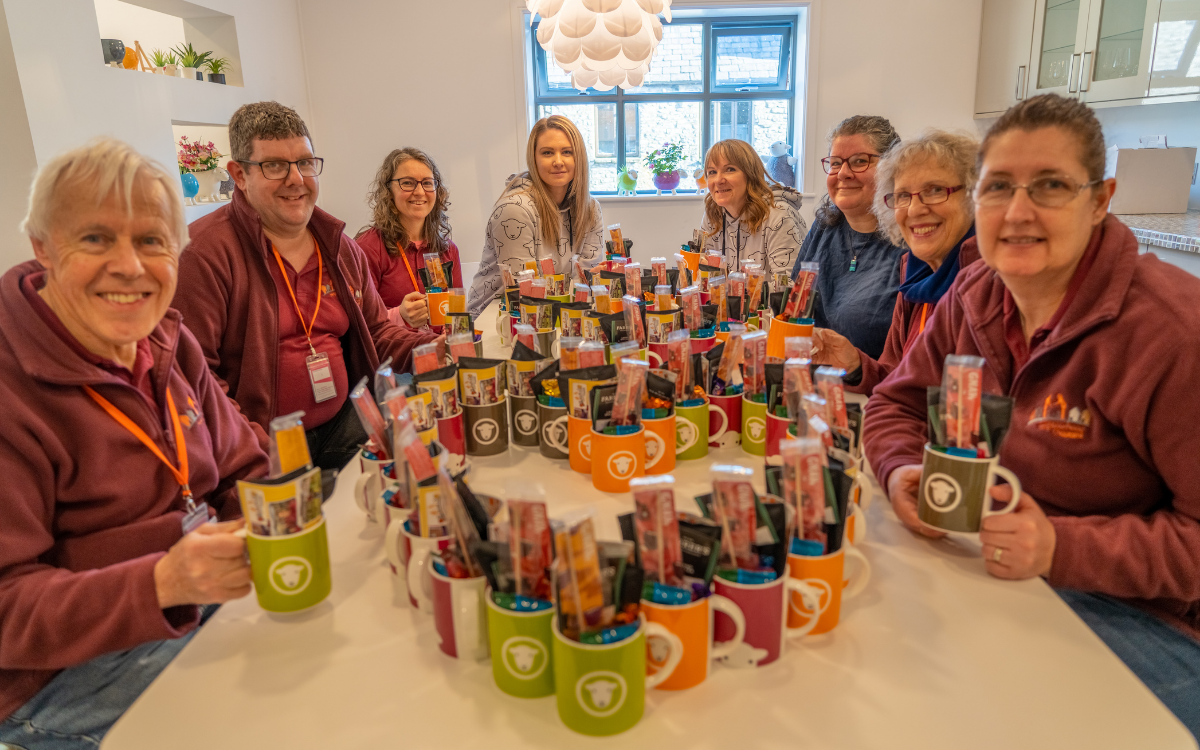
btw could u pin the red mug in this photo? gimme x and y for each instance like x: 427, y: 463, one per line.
x: 459, y: 616
x: 764, y: 606
x: 724, y: 428
x: 452, y: 436
x: 657, y: 354
x: 777, y: 432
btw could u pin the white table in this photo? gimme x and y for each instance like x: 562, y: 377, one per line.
x: 935, y: 654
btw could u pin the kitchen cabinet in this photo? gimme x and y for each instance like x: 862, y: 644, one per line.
x: 1175, y: 67
x: 1005, y: 44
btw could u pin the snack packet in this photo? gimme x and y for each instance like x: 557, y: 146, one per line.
x: 577, y: 566
x: 632, y: 309
x: 797, y: 347
x: 546, y: 266
x: 385, y: 379
x: 631, y: 383
x: 582, y: 292
x: 591, y: 354
x: 415, y: 453
x: 461, y: 345
x: 755, y: 279
x: 734, y: 509
x: 658, y: 266
x: 601, y: 299
x: 693, y: 318
x: 800, y: 299
x: 716, y: 296
x: 425, y: 358
x: 457, y: 301
x: 663, y: 299
x: 731, y: 357
x: 679, y: 361
x: 828, y: 383
x: 737, y: 287
x: 459, y: 525
x: 962, y: 390
x: 797, y: 383
x: 529, y: 540
x: 657, y: 529
x: 289, y: 445
x: 372, y: 420
x: 568, y: 352
x: 685, y: 273
x: 526, y: 334
x: 633, y: 277
x: 618, y: 241
x: 437, y: 275
x: 754, y: 353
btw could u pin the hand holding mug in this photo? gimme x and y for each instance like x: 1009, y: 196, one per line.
x: 414, y: 310
x: 903, y: 486
x: 1024, y: 538
x: 207, y: 566
x: 832, y: 348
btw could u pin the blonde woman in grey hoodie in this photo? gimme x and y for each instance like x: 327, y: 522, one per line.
x: 546, y: 212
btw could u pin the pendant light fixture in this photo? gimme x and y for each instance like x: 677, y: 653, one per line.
x: 601, y: 43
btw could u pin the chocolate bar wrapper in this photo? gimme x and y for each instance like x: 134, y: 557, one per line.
x: 962, y: 390
x: 828, y: 383
x: 658, y: 529
x: 800, y: 299
x: 632, y: 310
x: 530, y: 546
x: 734, y: 509
x: 577, y: 565
x: 631, y: 383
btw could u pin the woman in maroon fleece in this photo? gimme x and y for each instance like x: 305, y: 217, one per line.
x: 98, y: 584
x: 1100, y: 349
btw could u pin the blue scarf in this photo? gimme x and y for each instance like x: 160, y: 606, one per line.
x: 923, y: 284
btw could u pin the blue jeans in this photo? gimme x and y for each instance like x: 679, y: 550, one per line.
x: 78, y: 707
x: 1165, y: 659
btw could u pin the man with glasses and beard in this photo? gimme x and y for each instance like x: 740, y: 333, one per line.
x: 280, y: 299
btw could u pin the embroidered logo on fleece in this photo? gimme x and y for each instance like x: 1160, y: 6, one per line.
x: 1056, y: 417
x: 327, y: 289
x: 191, y: 416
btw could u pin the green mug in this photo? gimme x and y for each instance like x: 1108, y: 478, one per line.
x: 691, y: 432
x: 754, y: 427
x: 291, y: 572
x: 601, y: 689
x: 521, y: 648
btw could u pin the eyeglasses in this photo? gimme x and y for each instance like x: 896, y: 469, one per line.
x: 858, y: 163
x: 408, y: 184
x: 1047, y: 192
x: 930, y: 196
x: 278, y: 170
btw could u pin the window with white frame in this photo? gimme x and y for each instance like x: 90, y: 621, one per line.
x: 711, y: 79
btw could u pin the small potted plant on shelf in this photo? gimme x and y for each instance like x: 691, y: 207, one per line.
x: 201, y: 161
x: 216, y: 68
x: 159, y: 58
x: 664, y: 162
x: 190, y: 59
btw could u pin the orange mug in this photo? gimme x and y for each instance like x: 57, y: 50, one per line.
x: 780, y: 331
x: 439, y: 305
x: 579, y: 443
x: 826, y: 574
x: 660, y: 445
x: 693, y: 624
x: 617, y: 458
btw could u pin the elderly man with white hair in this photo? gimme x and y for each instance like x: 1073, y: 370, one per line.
x: 118, y: 446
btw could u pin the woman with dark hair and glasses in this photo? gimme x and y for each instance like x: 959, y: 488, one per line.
x: 409, y: 203
x: 1100, y: 349
x: 923, y: 202
x: 860, y: 267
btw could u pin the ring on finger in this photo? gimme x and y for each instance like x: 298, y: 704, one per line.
x: 997, y: 553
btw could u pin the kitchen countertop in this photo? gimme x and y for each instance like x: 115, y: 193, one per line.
x: 1172, y: 231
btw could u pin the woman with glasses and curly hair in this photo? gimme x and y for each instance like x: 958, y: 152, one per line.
x: 408, y: 201
x: 923, y: 201
x: 546, y: 212
x: 860, y: 267
x: 743, y: 218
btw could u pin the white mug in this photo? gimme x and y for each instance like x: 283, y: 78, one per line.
x: 411, y: 553
x: 370, y: 484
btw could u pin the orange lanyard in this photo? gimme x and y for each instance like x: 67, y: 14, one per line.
x: 320, y: 277
x: 181, y: 474
x: 924, y: 310
x: 416, y: 287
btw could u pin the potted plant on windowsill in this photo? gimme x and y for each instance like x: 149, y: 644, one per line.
x: 190, y: 59
x: 664, y: 162
x: 216, y: 68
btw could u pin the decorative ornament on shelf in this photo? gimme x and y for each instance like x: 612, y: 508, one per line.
x: 780, y: 165
x: 701, y: 180
x: 191, y: 186
x: 627, y: 181
x: 664, y: 162
x: 601, y: 43
x: 216, y: 68
x: 200, y: 162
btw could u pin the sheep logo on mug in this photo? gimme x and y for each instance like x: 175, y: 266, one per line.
x: 942, y: 492
x: 290, y: 575
x: 621, y: 464
x: 601, y: 693
x: 486, y: 431
x: 526, y: 422
x: 524, y: 657
x: 444, y: 307
x: 755, y: 428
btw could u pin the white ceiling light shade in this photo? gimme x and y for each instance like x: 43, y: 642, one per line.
x: 601, y: 43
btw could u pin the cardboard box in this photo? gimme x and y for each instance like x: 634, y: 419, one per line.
x: 1151, y: 180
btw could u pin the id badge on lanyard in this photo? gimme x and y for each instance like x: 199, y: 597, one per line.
x: 196, y: 516
x: 321, y: 375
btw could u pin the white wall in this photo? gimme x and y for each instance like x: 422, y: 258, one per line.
x: 16, y: 154
x: 70, y: 96
x: 129, y: 23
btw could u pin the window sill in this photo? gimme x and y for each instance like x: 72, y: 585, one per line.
x: 685, y: 197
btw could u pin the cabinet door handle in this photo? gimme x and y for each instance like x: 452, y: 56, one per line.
x: 1020, y: 81
x: 1085, y: 74
x: 1072, y: 84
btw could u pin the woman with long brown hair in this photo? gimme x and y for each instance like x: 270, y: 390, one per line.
x: 547, y: 212
x: 744, y: 218
x: 408, y: 202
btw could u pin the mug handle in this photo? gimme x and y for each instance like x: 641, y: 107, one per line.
x: 860, y: 523
x: 1016, y: 497
x: 724, y: 422
x: 360, y: 492
x: 729, y: 607
x: 866, y: 489
x: 548, y: 430
x: 795, y: 585
x: 662, y: 448
x: 862, y: 574
x: 655, y: 630
x: 391, y: 544
x: 415, y: 576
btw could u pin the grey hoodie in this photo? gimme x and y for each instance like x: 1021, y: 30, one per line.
x: 775, y: 245
x: 514, y: 235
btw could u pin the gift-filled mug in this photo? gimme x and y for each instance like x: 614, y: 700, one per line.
x: 376, y: 474
x: 780, y: 330
x: 439, y: 305
x: 601, y: 688
x: 522, y: 415
x: 413, y: 554
x: 552, y: 425
x: 724, y: 420
x: 693, y: 624
x: 777, y: 432
x: 856, y: 519
x: 657, y: 355
x: 579, y: 441
x: 827, y: 575
x: 290, y: 572
x: 701, y: 344
x: 618, y: 458
x: 487, y: 428
x: 521, y: 645
x: 754, y: 426
x: 691, y: 432
x: 764, y: 606
x: 954, y: 496
x: 660, y: 445
x: 452, y: 435
x: 459, y: 616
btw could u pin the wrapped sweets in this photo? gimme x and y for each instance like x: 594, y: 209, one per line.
x: 726, y: 382
x: 623, y: 350
x: 546, y: 266
x: 631, y: 383
x: 755, y: 279
x: 733, y: 506
x: 530, y: 545
x: 828, y: 383
x: 797, y: 383
x: 591, y: 353
x: 577, y: 571
x: 461, y: 345
x: 685, y: 273
x: 537, y: 288
x: 632, y: 309
x: 618, y: 241
x: 568, y: 352
x: 507, y: 274
x: 601, y: 300
x: 804, y: 489
x: 460, y: 526
x: 457, y: 300
x: 716, y: 296
x: 372, y: 420
x: 526, y: 334
x: 657, y: 528
x: 525, y: 282
x: 679, y: 361
x: 658, y: 266
x: 578, y: 270
x: 437, y: 275
x: 289, y: 445
x: 814, y: 416
x: 737, y: 287
x: 633, y: 278
x: 693, y: 318
x: 754, y: 358
x: 962, y: 395
x: 408, y: 443
x: 663, y: 299
x: 797, y: 347
x: 800, y: 298
x: 425, y: 358
x: 582, y: 292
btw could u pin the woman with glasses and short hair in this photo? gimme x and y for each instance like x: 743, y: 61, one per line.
x: 860, y: 267
x: 923, y: 201
x: 409, y: 203
x: 1099, y: 347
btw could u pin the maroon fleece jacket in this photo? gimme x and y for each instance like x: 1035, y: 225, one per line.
x: 229, y: 301
x: 87, y: 510
x: 1104, y: 431
x: 906, y: 326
